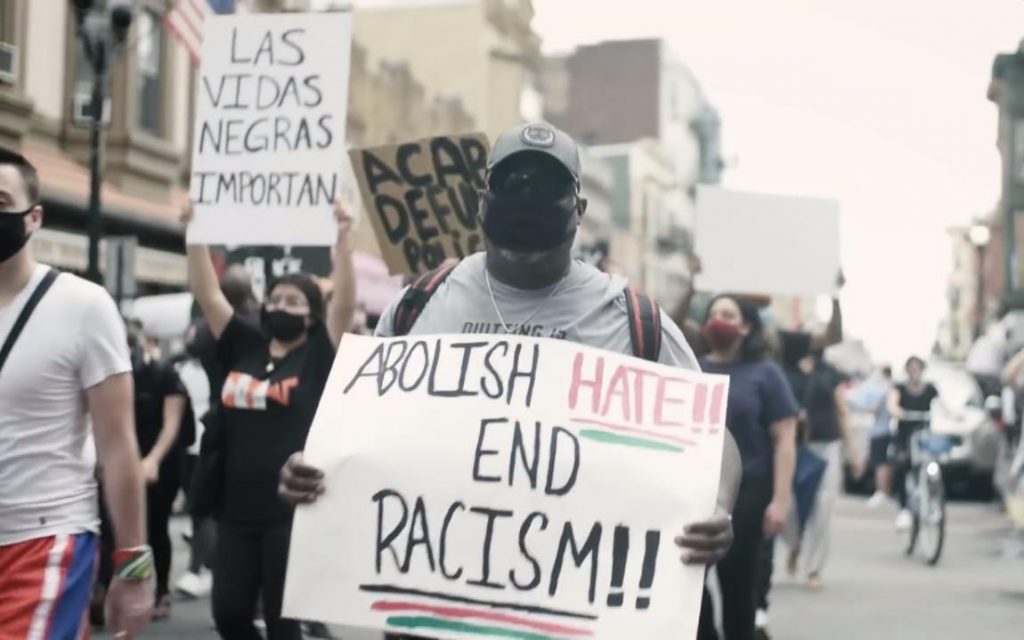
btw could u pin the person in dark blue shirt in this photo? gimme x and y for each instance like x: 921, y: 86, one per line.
x: 762, y: 418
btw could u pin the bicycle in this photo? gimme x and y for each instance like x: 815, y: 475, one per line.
x: 926, y: 492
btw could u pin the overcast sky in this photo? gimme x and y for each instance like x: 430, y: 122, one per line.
x: 877, y: 103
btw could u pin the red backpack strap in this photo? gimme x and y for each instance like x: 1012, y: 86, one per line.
x: 416, y: 298
x: 644, y: 325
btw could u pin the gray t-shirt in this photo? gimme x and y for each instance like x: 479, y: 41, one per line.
x: 588, y: 307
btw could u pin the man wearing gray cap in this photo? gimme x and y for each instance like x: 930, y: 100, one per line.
x: 527, y: 283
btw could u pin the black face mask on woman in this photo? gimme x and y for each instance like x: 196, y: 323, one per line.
x: 13, y: 236
x: 282, y: 325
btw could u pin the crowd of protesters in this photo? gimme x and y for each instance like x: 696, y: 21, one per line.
x: 223, y: 422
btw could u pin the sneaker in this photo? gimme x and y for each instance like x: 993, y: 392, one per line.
x: 162, y: 608
x: 878, y: 500
x: 904, y: 521
x: 761, y: 619
x: 814, y: 582
x: 195, y: 585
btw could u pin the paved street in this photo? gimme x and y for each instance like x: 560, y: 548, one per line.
x: 872, y: 591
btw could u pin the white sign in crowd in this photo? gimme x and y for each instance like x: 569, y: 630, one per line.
x: 767, y: 244
x: 269, y: 152
x: 506, y: 486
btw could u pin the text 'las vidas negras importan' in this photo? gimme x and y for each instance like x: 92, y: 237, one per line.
x: 260, y: 109
x: 611, y: 404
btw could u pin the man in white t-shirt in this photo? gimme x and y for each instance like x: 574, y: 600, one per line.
x: 71, y: 358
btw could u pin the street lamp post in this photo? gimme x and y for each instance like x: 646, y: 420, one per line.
x: 103, y: 33
x: 979, y: 235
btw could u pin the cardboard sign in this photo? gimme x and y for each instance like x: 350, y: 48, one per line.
x: 506, y: 486
x: 757, y: 243
x: 269, y: 147
x: 422, y: 199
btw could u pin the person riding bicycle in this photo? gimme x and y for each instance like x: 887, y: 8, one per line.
x: 909, y: 404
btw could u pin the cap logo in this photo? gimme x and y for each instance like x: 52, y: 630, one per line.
x: 537, y: 135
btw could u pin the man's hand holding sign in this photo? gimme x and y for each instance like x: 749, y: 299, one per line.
x: 508, y: 486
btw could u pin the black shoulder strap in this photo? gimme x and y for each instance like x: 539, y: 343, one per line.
x: 416, y: 298
x: 644, y: 325
x: 26, y: 311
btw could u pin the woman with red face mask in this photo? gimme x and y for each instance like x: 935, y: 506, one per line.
x: 762, y: 417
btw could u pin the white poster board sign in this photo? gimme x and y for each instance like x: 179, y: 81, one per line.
x: 769, y: 244
x: 269, y: 155
x: 506, y: 487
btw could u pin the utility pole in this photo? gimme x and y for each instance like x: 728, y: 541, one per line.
x: 103, y: 33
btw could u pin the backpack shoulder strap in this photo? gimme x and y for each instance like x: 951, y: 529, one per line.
x: 416, y: 298
x: 26, y: 311
x: 644, y: 325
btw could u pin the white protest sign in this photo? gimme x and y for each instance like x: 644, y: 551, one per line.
x: 758, y: 243
x: 269, y: 154
x: 506, y: 486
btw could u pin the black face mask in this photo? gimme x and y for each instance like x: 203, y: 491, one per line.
x: 282, y: 325
x: 528, y: 225
x: 12, y: 233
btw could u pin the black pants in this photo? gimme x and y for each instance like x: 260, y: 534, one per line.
x: 706, y: 628
x: 738, y: 572
x: 204, y: 530
x: 901, y: 460
x: 159, y: 503
x: 765, y: 568
x: 248, y: 561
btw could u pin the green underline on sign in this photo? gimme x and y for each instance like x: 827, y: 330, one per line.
x: 426, y: 622
x: 641, y: 443
x: 481, y: 616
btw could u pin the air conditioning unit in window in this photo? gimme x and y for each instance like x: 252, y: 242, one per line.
x: 8, y: 63
x: 82, y: 106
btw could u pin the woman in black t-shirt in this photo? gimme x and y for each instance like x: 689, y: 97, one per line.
x: 913, y: 396
x: 275, y: 372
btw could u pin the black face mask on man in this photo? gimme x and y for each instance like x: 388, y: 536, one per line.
x: 531, y: 205
x: 283, y: 326
x: 528, y: 225
x: 13, y: 236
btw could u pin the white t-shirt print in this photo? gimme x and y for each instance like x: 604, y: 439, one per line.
x: 74, y: 340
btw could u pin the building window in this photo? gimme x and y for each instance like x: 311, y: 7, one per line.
x: 149, y: 59
x: 9, y: 37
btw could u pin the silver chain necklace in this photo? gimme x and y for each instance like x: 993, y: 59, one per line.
x: 501, y: 318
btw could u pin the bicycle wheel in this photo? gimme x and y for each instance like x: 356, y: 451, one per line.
x: 933, y: 516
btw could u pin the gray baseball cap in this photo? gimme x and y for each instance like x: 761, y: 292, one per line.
x: 537, y: 137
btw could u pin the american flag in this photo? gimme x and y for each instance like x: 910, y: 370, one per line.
x: 185, y: 22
